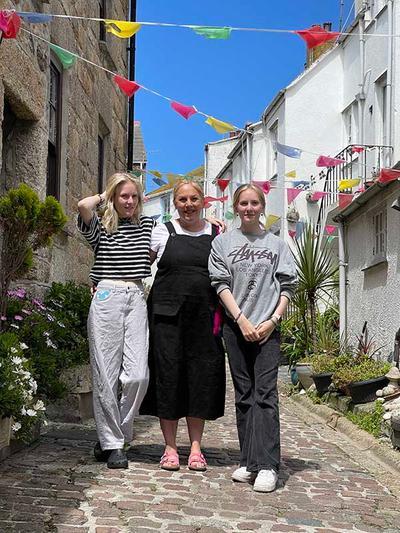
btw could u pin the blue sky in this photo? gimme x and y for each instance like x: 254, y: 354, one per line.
x: 233, y: 80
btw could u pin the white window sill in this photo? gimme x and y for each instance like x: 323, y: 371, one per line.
x: 375, y: 261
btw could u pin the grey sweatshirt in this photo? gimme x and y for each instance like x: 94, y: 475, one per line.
x: 257, y: 269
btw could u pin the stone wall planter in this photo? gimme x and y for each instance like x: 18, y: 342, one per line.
x: 365, y: 391
x: 322, y: 381
x: 5, y: 432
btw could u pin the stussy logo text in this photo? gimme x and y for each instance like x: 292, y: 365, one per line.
x: 245, y: 253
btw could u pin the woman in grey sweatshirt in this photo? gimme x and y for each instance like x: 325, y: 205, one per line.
x: 254, y: 274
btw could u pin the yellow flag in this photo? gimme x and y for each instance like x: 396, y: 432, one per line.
x: 291, y: 174
x: 122, y: 28
x: 219, y: 126
x: 271, y: 219
x: 348, y: 184
x: 155, y: 173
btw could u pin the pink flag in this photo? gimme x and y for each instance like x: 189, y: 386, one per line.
x: 345, y: 200
x: 10, y: 23
x: 292, y: 194
x: 292, y: 233
x: 388, y: 174
x: 209, y: 199
x: 264, y: 185
x: 330, y: 229
x: 317, y: 195
x: 316, y: 35
x: 223, y: 184
x: 357, y: 149
x: 325, y: 161
x: 126, y: 86
x: 185, y: 111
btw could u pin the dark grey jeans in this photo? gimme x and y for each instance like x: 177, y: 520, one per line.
x: 254, y: 370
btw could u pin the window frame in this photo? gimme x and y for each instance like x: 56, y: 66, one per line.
x: 53, y: 182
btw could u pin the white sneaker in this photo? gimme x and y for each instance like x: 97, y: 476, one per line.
x: 243, y: 476
x: 265, y: 481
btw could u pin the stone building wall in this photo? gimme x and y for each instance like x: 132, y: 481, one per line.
x: 92, y: 105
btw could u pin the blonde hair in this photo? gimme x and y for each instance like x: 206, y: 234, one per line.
x: 110, y: 217
x: 194, y: 184
x: 247, y: 187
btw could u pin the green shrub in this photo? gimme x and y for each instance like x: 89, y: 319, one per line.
x: 359, y: 369
x: 371, y: 422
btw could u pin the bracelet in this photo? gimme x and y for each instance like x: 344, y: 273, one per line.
x: 274, y: 320
x: 100, y: 198
x: 237, y: 318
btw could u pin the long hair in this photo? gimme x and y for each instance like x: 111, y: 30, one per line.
x: 110, y: 217
x: 246, y: 187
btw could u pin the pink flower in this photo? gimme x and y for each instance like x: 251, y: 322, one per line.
x: 26, y: 311
x: 18, y: 317
x: 3, y: 318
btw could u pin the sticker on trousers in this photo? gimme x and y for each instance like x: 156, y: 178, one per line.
x: 102, y: 294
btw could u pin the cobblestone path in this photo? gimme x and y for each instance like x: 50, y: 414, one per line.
x: 57, y: 486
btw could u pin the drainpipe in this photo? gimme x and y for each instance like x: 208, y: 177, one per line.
x: 342, y: 281
x: 249, y: 143
x: 389, y: 76
x: 361, y: 95
x: 131, y: 76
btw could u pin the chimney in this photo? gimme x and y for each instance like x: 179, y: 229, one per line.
x: 315, y: 53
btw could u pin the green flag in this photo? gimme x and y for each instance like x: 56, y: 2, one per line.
x: 213, y: 33
x: 229, y: 215
x: 66, y: 58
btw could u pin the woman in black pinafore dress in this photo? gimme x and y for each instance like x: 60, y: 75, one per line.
x: 187, y: 363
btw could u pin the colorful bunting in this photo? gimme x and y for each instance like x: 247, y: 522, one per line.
x: 348, y: 184
x: 317, y: 195
x: 292, y: 233
x: 388, y: 174
x: 291, y: 174
x: 184, y: 110
x: 292, y: 194
x: 330, y: 229
x: 66, y: 58
x: 289, y: 151
x: 265, y: 186
x: 345, y: 199
x: 357, y: 149
x: 316, y: 35
x: 127, y: 86
x: 122, y: 28
x: 330, y: 238
x: 209, y: 199
x: 167, y: 217
x: 219, y: 126
x: 155, y: 217
x: 271, y: 219
x: 304, y: 184
x: 35, y: 18
x: 155, y: 173
x: 9, y: 24
x: 213, y: 32
x: 223, y: 184
x: 325, y: 161
x: 159, y: 181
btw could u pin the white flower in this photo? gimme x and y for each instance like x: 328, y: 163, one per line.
x: 13, y: 349
x: 31, y: 412
x: 16, y: 360
x: 23, y: 346
x: 39, y: 406
x: 50, y: 344
x: 16, y: 427
x: 33, y: 385
x: 23, y: 411
x: 45, y: 423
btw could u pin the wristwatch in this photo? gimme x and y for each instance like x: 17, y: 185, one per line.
x: 276, y: 319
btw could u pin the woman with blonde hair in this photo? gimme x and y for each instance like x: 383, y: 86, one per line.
x: 117, y: 322
x: 187, y: 364
x: 254, y: 274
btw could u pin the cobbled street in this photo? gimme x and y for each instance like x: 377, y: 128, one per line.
x: 56, y: 485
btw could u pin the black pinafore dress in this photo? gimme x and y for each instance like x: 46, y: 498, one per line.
x: 187, y: 362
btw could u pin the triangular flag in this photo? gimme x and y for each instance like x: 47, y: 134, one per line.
x: 388, y: 174
x: 265, y: 186
x: 316, y: 35
x: 209, y: 199
x: 271, y: 219
x: 317, y: 195
x: 325, y: 161
x: 292, y: 233
x: 35, y: 18
x: 219, y: 126
x: 9, y: 24
x: 330, y: 238
x: 302, y: 183
x: 122, y: 28
x: 184, y: 110
x: 155, y: 173
x: 155, y: 217
x: 291, y: 174
x: 357, y: 149
x: 213, y: 32
x: 289, y: 151
x: 348, y: 184
x: 292, y: 194
x: 229, y: 215
x: 67, y: 59
x: 159, y: 181
x: 127, y: 86
x: 345, y: 200
x: 223, y: 184
x: 167, y: 217
x: 330, y: 229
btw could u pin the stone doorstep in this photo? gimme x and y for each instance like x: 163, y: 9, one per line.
x: 388, y: 458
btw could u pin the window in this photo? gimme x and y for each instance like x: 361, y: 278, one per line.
x: 10, y: 122
x: 379, y: 233
x: 102, y: 15
x: 350, y: 122
x: 381, y: 116
x: 54, y: 124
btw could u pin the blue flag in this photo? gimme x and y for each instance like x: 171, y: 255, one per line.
x: 35, y: 18
x: 159, y: 181
x: 289, y: 151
